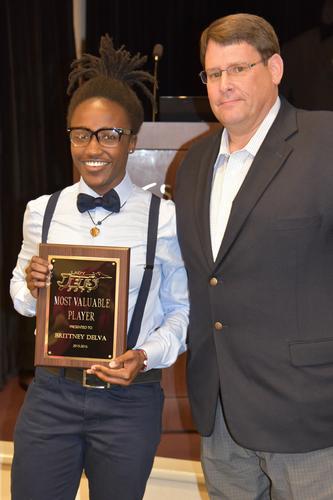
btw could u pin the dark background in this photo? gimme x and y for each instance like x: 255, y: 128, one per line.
x: 37, y: 43
x: 177, y: 25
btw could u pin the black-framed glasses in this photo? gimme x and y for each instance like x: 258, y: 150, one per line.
x: 106, y: 137
x: 235, y: 70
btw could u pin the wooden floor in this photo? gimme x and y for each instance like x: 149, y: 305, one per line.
x: 173, y: 444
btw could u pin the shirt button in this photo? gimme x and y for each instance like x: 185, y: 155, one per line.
x: 218, y: 325
x: 213, y: 281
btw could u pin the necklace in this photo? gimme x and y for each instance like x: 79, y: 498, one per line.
x: 94, y: 231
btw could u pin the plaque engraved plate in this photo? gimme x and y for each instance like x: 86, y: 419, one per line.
x: 82, y: 314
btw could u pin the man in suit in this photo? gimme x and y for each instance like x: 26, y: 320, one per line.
x: 254, y: 204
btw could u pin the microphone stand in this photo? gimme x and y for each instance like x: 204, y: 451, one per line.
x: 155, y: 88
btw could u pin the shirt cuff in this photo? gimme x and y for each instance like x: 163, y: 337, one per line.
x: 25, y: 303
x: 153, y: 351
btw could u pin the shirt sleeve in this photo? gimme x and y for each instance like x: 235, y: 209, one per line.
x: 23, y: 301
x: 165, y: 343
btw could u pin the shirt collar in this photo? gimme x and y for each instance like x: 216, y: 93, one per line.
x: 124, y: 189
x: 257, y: 139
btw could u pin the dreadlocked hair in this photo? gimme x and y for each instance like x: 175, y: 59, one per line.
x: 110, y: 76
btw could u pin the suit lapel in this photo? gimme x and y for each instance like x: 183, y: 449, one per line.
x: 202, y: 197
x: 268, y: 161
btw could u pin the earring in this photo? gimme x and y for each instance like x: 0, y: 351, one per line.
x: 130, y: 151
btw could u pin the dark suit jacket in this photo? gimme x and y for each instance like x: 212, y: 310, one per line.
x: 273, y: 292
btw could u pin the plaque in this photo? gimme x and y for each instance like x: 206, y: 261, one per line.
x: 82, y: 314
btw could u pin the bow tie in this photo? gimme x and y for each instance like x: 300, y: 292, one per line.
x: 110, y: 201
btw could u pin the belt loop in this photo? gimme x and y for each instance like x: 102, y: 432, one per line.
x: 62, y: 372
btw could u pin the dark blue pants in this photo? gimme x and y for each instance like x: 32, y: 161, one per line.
x: 64, y: 428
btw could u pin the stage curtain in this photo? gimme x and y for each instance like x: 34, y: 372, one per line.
x: 37, y: 43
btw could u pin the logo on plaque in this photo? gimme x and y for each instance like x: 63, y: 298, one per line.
x: 80, y: 281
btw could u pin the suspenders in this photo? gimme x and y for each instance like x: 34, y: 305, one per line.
x: 134, y: 328
x: 51, y: 204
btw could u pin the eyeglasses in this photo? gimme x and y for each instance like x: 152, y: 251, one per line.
x: 106, y: 137
x: 235, y: 70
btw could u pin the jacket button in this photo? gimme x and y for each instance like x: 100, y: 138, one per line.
x: 218, y: 325
x: 213, y: 281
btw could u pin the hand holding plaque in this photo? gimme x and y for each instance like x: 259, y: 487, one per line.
x: 82, y: 314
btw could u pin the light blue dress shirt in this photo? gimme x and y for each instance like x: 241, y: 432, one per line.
x: 165, y: 320
x: 230, y: 171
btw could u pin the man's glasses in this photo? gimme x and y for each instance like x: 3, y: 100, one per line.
x: 234, y: 70
x: 106, y: 137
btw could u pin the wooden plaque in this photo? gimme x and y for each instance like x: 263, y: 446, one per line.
x: 82, y: 314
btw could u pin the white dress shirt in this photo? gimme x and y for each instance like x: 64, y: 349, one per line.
x: 230, y: 170
x: 165, y: 320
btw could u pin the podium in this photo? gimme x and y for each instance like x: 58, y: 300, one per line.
x: 160, y: 149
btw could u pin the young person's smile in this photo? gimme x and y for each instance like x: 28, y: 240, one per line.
x: 101, y: 167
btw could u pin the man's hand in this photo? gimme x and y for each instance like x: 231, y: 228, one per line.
x: 38, y: 274
x: 123, y: 369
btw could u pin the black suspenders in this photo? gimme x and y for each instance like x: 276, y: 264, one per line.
x: 134, y: 328
x: 51, y: 204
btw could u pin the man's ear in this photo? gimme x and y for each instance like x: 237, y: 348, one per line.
x: 275, y: 65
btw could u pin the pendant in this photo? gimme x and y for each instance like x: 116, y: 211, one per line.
x: 94, y: 231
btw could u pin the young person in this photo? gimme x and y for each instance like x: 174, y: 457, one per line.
x: 64, y: 427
